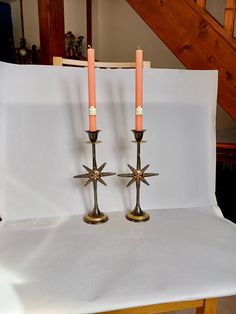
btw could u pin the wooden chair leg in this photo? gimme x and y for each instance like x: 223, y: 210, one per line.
x: 209, y: 307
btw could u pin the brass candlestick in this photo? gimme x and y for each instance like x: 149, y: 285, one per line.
x: 138, y: 175
x: 95, y: 175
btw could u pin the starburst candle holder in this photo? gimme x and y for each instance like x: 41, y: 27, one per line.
x: 95, y: 175
x: 138, y: 175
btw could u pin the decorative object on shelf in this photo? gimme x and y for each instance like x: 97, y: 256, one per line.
x: 73, y: 46
x: 25, y: 55
x: 95, y: 175
x: 138, y: 175
x: 23, y: 51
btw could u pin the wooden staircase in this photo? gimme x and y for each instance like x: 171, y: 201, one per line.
x: 196, y: 39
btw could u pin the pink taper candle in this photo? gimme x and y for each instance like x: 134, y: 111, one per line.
x: 139, y: 91
x: 91, y: 90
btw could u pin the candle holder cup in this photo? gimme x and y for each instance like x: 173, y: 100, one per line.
x: 94, y: 175
x: 138, y: 175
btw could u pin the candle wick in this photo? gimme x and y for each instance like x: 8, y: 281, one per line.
x: 138, y: 48
x: 89, y: 46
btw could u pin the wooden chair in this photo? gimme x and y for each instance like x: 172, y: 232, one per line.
x: 59, y: 61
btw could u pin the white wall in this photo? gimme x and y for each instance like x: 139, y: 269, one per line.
x: 216, y: 9
x: 75, y: 18
x: 15, y: 13
x: 31, y: 22
x: 120, y: 31
x: 223, y: 120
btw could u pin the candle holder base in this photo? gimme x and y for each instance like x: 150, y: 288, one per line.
x: 95, y: 219
x: 137, y: 215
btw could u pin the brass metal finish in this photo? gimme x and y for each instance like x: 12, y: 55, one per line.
x: 138, y: 175
x: 95, y: 175
x: 90, y: 219
x: 136, y: 217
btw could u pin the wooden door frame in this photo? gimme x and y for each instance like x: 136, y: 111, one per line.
x: 51, y: 29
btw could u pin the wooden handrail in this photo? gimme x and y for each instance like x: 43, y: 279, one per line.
x: 230, y: 6
x: 201, y: 3
x: 229, y: 15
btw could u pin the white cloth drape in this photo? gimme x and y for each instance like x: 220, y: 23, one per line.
x: 50, y: 260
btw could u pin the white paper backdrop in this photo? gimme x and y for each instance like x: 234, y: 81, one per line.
x: 60, y: 264
x: 43, y: 115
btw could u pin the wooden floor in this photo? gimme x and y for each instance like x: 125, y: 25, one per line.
x: 224, y: 306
